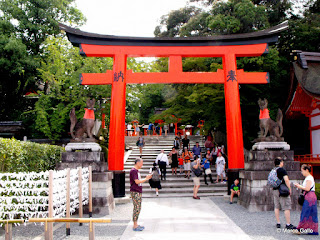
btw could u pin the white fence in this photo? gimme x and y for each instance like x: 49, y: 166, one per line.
x: 45, y: 194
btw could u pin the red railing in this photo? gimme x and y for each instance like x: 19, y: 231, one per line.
x: 308, y: 158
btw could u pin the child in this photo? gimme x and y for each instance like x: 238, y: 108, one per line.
x: 155, y: 180
x: 235, y: 190
x: 180, y: 160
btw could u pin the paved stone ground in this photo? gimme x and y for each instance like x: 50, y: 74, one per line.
x: 183, y: 218
x: 260, y: 225
x: 103, y: 231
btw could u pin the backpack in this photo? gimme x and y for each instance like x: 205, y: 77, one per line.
x: 155, y: 175
x: 273, y: 179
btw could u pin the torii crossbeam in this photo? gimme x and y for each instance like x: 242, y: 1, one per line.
x: 227, y: 47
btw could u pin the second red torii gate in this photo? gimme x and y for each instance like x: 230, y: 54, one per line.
x: 227, y: 47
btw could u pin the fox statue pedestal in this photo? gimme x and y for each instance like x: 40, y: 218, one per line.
x: 255, y: 194
x: 84, y: 154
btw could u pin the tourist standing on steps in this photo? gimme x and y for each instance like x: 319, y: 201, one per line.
x: 220, y: 167
x: 155, y: 180
x: 196, y: 150
x: 207, y: 171
x: 163, y: 162
x: 174, y: 157
x: 282, y: 202
x: 309, y: 214
x: 186, y: 142
x: 129, y: 129
x: 137, y: 130
x: 187, y: 156
x: 136, y: 191
x: 196, y: 170
x: 150, y: 129
x: 141, y: 143
x: 180, y: 160
x: 165, y: 128
x: 176, y: 143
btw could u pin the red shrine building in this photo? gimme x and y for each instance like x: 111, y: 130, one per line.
x: 304, y: 104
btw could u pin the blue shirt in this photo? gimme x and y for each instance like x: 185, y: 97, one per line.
x: 196, y: 150
x: 205, y: 165
x: 150, y: 126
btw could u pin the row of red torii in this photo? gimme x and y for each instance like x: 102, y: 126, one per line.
x: 227, y: 47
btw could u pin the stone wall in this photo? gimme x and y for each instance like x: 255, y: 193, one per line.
x: 255, y: 194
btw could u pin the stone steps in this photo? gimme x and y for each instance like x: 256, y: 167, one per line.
x: 173, y: 186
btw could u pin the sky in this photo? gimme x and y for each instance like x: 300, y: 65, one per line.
x: 125, y: 17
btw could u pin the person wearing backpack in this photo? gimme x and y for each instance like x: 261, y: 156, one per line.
x: 155, y: 180
x: 195, y: 174
x: 281, y: 201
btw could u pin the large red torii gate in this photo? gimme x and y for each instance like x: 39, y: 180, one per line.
x: 227, y: 47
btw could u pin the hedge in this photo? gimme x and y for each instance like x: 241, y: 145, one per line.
x: 19, y: 156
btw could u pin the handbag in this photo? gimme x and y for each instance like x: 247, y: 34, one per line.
x: 197, y: 171
x: 137, y: 143
x: 283, y: 190
x: 301, y: 197
x: 207, y: 171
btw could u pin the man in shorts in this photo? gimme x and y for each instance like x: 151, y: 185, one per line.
x: 281, y: 202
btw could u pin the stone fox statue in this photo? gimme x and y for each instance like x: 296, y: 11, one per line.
x: 85, y: 125
x: 267, y: 124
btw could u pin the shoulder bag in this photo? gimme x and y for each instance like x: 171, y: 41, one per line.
x: 302, y: 196
x: 283, y: 190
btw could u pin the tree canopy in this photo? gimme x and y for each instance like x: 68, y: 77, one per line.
x: 196, y: 101
x: 36, y: 58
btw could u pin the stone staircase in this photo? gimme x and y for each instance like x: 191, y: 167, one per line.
x: 175, y: 185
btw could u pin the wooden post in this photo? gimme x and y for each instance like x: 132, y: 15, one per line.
x: 90, y: 191
x: 68, y: 202
x: 8, y: 231
x: 80, y: 193
x: 49, y: 226
x: 91, y: 231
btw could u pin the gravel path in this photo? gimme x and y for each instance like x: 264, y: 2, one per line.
x: 260, y: 225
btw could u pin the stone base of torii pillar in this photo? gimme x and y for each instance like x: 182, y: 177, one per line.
x: 255, y: 194
x: 85, y: 154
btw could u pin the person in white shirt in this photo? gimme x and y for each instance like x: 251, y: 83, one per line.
x: 309, y: 214
x: 220, y: 167
x: 129, y: 128
x: 163, y: 162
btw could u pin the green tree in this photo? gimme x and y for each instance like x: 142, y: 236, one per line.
x: 35, y: 20
x: 202, y: 101
x: 24, y: 26
x: 16, y: 67
x: 60, y: 69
